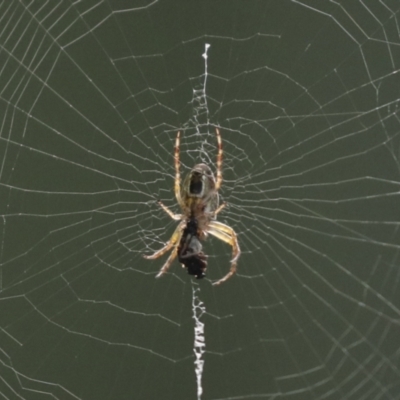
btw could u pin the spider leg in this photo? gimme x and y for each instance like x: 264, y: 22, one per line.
x: 176, y: 217
x: 227, y: 235
x: 176, y: 236
x: 168, y: 263
x: 218, y: 182
x: 177, y: 172
x: 223, y: 205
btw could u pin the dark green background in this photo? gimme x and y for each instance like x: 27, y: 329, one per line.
x: 306, y: 98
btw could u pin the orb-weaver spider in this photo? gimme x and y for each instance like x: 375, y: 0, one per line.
x: 199, y: 202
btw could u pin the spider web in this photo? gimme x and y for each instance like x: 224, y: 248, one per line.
x: 306, y: 96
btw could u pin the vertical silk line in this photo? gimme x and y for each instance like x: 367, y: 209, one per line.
x: 199, y: 340
x: 197, y: 305
x: 199, y: 100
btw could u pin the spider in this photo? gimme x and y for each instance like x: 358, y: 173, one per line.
x: 198, y: 199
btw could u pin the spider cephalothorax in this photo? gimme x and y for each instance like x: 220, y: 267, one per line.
x: 199, y: 201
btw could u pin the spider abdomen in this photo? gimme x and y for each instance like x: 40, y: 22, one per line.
x: 190, y: 253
